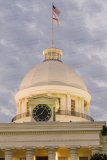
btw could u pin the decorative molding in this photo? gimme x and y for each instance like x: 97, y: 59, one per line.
x: 49, y: 132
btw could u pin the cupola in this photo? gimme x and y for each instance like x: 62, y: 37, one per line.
x: 52, y: 54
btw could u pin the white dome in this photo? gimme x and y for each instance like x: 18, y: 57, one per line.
x: 52, y: 73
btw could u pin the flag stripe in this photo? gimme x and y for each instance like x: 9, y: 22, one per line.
x: 56, y: 19
x: 57, y: 11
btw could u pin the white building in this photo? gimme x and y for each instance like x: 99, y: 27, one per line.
x: 53, y: 119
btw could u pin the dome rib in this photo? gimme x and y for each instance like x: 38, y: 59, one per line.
x: 34, y: 74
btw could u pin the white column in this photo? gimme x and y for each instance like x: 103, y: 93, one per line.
x: 17, y: 105
x: 95, y: 149
x: 68, y: 103
x: 20, y: 106
x: 88, y: 111
x: 73, y: 152
x: 31, y: 110
x: 51, y: 152
x: 82, y: 105
x: 79, y: 104
x: 8, y: 152
x: 29, y: 152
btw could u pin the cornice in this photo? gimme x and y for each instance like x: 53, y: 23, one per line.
x: 54, y: 89
x: 53, y: 127
x: 57, y: 140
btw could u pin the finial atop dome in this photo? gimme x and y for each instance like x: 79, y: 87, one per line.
x: 52, y: 53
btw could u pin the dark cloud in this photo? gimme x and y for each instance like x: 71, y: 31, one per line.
x: 25, y: 31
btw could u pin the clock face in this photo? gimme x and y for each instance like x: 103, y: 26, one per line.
x: 42, y: 113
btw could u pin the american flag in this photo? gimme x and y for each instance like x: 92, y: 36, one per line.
x: 56, y: 19
x: 57, y: 11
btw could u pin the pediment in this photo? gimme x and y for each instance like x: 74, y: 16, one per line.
x: 41, y: 96
x: 42, y: 99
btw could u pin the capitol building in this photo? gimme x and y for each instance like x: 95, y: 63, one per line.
x: 53, y: 116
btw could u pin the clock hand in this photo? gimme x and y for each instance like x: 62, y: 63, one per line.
x: 41, y: 112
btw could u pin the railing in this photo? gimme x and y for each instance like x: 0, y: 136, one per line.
x: 19, y: 116
x: 60, y: 112
x: 73, y: 113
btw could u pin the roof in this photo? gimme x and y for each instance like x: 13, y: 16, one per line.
x: 52, y: 73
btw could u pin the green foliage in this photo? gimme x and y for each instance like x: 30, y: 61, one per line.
x: 104, y: 131
x: 98, y: 157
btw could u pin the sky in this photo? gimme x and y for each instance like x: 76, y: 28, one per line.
x: 26, y: 30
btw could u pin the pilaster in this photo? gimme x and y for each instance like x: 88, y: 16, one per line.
x: 51, y: 152
x: 73, y: 152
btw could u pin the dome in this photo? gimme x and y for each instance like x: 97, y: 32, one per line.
x: 52, y: 72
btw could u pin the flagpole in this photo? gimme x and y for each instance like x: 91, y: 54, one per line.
x: 52, y: 24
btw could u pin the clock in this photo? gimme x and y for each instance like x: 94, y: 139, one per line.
x: 42, y: 113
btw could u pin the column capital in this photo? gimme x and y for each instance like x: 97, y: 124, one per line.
x: 51, y: 148
x: 95, y: 148
x: 8, y: 152
x: 82, y: 98
x: 88, y: 104
x: 73, y: 152
x: 73, y: 149
x: 8, y: 149
x: 29, y: 148
x: 51, y: 152
x: 49, y: 93
x: 29, y: 152
x: 68, y: 93
x: 20, y: 100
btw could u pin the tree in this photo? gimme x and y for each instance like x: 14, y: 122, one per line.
x: 104, y: 131
x: 98, y: 157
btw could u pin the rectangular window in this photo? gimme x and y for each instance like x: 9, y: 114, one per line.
x: 83, y: 158
x: 22, y: 158
x: 73, y: 107
x: 59, y: 111
x: 62, y: 158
